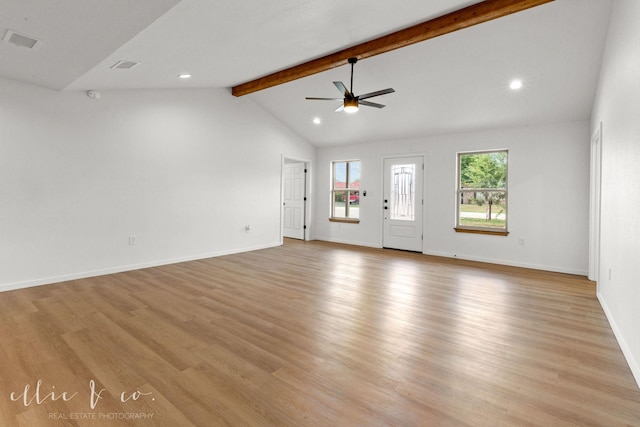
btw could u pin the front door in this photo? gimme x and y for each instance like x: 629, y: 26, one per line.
x: 294, y: 183
x: 402, y: 207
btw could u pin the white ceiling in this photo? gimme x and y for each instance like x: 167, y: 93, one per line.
x: 455, y: 83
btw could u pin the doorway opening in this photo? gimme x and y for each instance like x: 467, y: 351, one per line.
x: 294, y: 199
x: 595, y: 203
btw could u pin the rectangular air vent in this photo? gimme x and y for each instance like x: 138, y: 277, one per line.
x: 124, y: 65
x: 21, y: 40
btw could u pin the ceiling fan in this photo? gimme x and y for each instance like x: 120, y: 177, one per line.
x: 350, y: 101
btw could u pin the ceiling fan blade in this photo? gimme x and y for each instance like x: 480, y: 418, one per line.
x: 340, y: 108
x: 376, y: 93
x: 370, y: 104
x: 322, y: 99
x: 342, y: 88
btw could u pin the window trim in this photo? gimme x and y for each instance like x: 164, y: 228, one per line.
x: 491, y: 232
x: 348, y: 189
x: 345, y: 220
x: 494, y: 231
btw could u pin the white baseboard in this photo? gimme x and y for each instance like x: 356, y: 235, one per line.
x: 626, y: 351
x: 551, y: 268
x: 347, y: 242
x: 120, y: 269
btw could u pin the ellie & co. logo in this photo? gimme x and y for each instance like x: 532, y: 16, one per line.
x: 93, y: 396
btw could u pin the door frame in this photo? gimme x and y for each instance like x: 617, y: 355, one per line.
x: 307, y: 192
x: 595, y: 203
x: 424, y: 190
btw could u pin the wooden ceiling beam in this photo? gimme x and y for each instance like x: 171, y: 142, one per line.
x: 454, y: 21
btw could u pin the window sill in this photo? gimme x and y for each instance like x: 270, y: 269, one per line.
x: 345, y: 220
x: 477, y: 231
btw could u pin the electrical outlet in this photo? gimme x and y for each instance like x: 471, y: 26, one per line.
x: 521, y: 241
x: 132, y: 240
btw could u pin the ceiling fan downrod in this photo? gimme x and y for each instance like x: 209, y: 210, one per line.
x: 352, y: 61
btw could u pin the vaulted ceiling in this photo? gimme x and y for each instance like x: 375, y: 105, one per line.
x: 453, y: 83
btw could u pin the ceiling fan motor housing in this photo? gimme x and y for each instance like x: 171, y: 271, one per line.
x: 350, y: 102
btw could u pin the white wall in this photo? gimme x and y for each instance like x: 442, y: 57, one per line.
x: 548, y: 195
x: 617, y: 107
x: 182, y: 170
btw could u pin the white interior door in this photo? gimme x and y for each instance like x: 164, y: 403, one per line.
x: 402, y: 203
x: 294, y: 183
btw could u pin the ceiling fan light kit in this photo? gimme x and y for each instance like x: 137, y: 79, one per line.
x: 350, y: 105
x: 351, y: 102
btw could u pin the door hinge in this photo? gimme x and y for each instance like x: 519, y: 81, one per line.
x: 305, y: 170
x: 305, y: 199
x: 304, y: 227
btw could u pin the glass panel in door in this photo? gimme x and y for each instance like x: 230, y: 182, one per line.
x: 403, y: 192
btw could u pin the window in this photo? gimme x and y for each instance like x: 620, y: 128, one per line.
x: 345, y: 191
x: 482, y: 192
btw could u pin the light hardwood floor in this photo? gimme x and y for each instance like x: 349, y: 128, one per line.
x: 314, y: 334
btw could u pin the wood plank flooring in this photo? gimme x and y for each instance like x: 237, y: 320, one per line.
x: 314, y: 334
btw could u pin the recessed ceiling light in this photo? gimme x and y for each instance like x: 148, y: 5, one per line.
x: 184, y: 76
x: 515, y: 84
x: 317, y: 120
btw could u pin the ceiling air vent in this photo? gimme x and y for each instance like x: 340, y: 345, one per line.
x: 21, y: 40
x: 124, y: 65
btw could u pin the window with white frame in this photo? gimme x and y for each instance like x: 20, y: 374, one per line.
x: 345, y: 190
x: 482, y: 192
